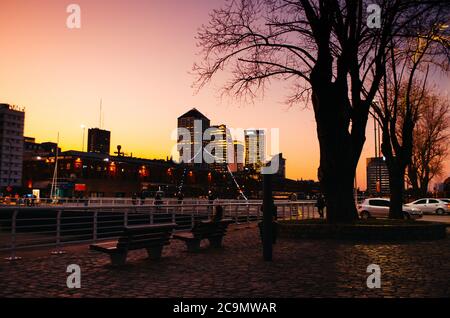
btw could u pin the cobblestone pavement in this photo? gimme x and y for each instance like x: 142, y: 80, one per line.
x: 301, y: 268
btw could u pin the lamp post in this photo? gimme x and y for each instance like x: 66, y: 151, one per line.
x: 267, y: 233
x: 84, y: 131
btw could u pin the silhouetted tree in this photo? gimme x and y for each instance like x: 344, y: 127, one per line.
x: 431, y: 143
x: 404, y: 91
x: 328, y: 52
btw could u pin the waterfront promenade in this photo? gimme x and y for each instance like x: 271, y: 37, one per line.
x: 301, y: 268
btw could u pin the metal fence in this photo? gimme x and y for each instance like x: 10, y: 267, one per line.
x: 77, y: 202
x: 56, y: 226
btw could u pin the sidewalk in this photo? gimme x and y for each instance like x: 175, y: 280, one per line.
x: 300, y: 269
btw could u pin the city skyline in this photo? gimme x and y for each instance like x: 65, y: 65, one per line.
x: 117, y: 56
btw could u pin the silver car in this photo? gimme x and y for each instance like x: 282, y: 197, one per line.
x: 379, y: 208
x: 431, y: 205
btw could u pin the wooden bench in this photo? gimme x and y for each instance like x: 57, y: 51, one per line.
x: 150, y: 237
x: 212, y: 231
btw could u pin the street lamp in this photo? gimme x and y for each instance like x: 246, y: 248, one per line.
x: 84, y: 131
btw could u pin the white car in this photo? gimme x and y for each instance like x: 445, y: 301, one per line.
x: 430, y: 205
x: 379, y: 208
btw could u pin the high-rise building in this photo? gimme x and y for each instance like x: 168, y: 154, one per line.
x: 220, y: 141
x: 12, y: 120
x: 237, y: 164
x: 377, y: 177
x: 255, y: 148
x: 99, y: 141
x: 191, y: 120
x: 33, y: 149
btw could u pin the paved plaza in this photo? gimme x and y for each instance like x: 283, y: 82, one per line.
x: 301, y: 268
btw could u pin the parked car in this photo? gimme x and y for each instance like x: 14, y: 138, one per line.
x: 379, y: 208
x: 431, y: 205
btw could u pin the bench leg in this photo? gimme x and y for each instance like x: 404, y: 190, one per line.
x: 154, y: 252
x: 193, y: 245
x: 118, y: 259
x: 216, y: 241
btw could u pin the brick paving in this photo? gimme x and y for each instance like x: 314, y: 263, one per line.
x: 301, y: 268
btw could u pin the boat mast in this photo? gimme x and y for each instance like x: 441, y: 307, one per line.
x: 54, y: 189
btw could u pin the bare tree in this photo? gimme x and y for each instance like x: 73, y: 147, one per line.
x: 430, y: 146
x: 328, y: 51
x: 402, y: 93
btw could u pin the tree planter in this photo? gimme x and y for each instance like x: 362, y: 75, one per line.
x: 369, y: 230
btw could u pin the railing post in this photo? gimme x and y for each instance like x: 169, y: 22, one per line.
x: 125, y: 218
x: 151, y: 217
x: 58, y: 250
x: 13, y: 256
x: 248, y: 214
x: 192, y: 220
x: 94, y: 234
x: 173, y: 217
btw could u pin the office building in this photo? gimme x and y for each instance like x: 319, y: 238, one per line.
x: 255, y: 147
x: 12, y: 120
x: 237, y: 164
x: 220, y: 144
x: 99, y: 141
x: 196, y: 123
x: 377, y: 177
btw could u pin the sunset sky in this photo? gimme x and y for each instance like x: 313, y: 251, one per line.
x: 136, y: 55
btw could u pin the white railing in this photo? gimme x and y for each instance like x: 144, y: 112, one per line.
x: 56, y: 226
x: 74, y: 202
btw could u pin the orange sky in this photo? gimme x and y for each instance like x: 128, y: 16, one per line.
x: 136, y: 55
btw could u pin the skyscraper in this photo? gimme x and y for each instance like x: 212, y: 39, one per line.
x: 12, y: 120
x: 99, y: 141
x: 255, y: 147
x: 237, y: 164
x: 220, y: 141
x: 377, y: 177
x: 191, y: 120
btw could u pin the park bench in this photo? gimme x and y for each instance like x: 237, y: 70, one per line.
x: 210, y: 230
x: 150, y: 237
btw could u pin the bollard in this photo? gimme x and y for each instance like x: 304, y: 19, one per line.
x: 13, y: 256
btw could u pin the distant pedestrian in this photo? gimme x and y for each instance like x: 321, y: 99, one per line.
x: 134, y: 198
x: 142, y: 198
x: 320, y: 204
x: 180, y: 197
x: 158, y: 199
x: 210, y: 201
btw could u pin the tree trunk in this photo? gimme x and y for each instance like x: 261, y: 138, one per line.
x: 337, y: 157
x: 413, y: 179
x: 397, y: 186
